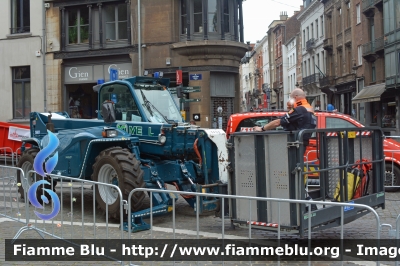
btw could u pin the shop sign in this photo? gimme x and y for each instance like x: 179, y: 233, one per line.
x: 90, y: 74
x: 78, y: 74
x: 124, y: 70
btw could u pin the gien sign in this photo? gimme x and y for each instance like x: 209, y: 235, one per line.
x: 122, y: 73
x: 91, y: 73
x: 75, y: 73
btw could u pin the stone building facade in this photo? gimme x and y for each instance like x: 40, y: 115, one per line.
x: 22, y: 61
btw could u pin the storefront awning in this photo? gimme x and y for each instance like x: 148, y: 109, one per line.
x: 370, y: 94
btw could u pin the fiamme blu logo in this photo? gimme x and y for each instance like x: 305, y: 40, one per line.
x: 50, y: 164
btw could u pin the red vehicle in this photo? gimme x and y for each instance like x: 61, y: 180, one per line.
x: 246, y: 122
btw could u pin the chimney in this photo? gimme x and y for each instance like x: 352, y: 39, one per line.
x: 283, y: 15
x: 301, y: 8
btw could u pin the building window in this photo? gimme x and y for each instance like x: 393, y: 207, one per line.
x: 212, y: 14
x: 391, y: 9
x: 358, y: 10
x: 359, y: 50
x: 78, y: 25
x: 348, y: 15
x: 316, y: 28
x: 116, y: 22
x: 21, y: 91
x: 227, y: 17
x: 20, y: 16
x: 304, y: 38
x: 339, y: 20
x: 312, y: 30
x: 102, y: 26
x: 373, y: 72
x: 183, y: 17
x: 322, y: 25
x: 198, y: 16
x: 340, y: 63
x: 348, y: 59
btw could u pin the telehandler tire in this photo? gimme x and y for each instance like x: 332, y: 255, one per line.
x: 388, y: 177
x: 26, y: 164
x: 119, y: 167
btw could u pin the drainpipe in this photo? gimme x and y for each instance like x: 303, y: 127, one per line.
x: 139, y: 40
x: 44, y: 57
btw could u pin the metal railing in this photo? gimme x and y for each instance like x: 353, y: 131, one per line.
x: 373, y: 46
x: 250, y: 224
x: 311, y: 79
x: 310, y: 44
x: 367, y: 4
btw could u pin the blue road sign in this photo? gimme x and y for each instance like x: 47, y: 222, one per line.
x: 195, y: 76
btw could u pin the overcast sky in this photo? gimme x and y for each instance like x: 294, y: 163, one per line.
x: 258, y: 14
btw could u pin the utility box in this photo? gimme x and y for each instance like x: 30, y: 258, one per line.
x: 272, y: 165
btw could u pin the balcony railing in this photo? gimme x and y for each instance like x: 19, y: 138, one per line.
x: 367, y: 4
x: 373, y: 46
x: 328, y: 43
x: 339, y: 39
x: 347, y: 35
x: 326, y: 81
x: 379, y: 43
x: 329, y: 3
x: 311, y: 79
x: 310, y: 44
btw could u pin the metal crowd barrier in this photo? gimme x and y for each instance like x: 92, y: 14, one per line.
x: 73, y: 191
x: 397, y: 233
x: 73, y: 221
x: 7, y: 153
x: 250, y: 203
x: 10, y: 206
x: 392, y: 180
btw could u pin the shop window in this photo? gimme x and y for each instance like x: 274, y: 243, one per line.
x: 20, y: 16
x: 21, y: 91
x: 389, y: 114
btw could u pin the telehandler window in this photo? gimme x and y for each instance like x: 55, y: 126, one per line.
x: 125, y: 106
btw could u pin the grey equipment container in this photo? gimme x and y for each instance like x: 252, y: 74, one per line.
x: 271, y: 164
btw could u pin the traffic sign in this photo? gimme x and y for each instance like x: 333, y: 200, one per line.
x: 190, y: 100
x: 186, y: 89
x: 195, y: 76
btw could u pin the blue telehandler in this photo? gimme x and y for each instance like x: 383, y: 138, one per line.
x: 138, y: 140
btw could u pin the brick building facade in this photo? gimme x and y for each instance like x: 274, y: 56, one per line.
x: 85, y: 39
